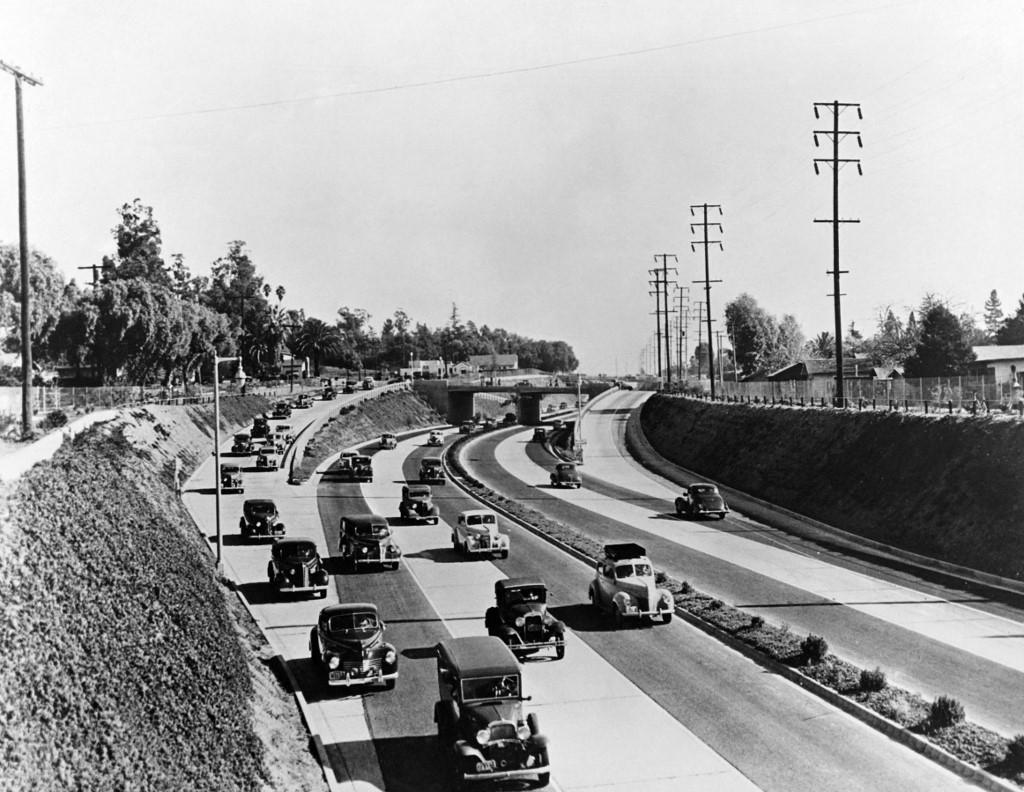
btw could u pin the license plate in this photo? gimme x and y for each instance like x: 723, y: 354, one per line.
x: 485, y: 765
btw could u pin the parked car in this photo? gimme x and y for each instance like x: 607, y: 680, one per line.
x: 327, y: 393
x: 520, y: 617
x: 510, y: 419
x: 701, y: 500
x: 366, y: 539
x: 267, y: 459
x: 388, y: 440
x: 467, y: 427
x: 260, y: 519
x: 350, y: 387
x: 231, y: 478
x: 295, y: 567
x: 348, y: 644
x: 242, y: 444
x: 368, y: 383
x: 476, y: 532
x: 418, y: 504
x: 481, y: 728
x: 540, y: 434
x: 624, y: 586
x: 565, y: 474
x: 435, y: 438
x: 281, y: 410
x: 431, y: 471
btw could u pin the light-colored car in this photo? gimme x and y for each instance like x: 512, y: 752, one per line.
x: 435, y: 438
x: 268, y: 460
x: 476, y: 532
x: 565, y: 474
x: 388, y: 440
x: 624, y: 586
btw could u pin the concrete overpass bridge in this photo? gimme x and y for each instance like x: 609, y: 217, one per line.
x: 455, y: 399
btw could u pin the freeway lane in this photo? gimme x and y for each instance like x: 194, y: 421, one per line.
x: 726, y: 712
x: 921, y: 641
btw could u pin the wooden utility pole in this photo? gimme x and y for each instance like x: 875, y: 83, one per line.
x: 26, y: 325
x: 835, y: 135
x: 707, y: 277
x: 660, y: 293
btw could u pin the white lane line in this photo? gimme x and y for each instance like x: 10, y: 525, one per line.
x: 954, y: 624
x: 594, y: 715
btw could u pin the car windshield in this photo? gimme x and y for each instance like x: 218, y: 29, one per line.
x: 418, y: 494
x: 431, y: 463
x: 299, y: 552
x: 527, y: 594
x: 566, y: 468
x: 241, y: 438
x: 480, y: 519
x: 632, y: 570
x: 361, y: 460
x: 351, y: 622
x: 229, y: 469
x: 491, y: 687
x: 372, y: 529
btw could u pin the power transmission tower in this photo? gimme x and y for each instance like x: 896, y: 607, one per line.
x: 836, y: 135
x: 26, y: 322
x: 661, y: 284
x: 707, y: 278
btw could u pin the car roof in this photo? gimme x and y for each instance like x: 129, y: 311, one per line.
x: 417, y: 488
x: 346, y: 607
x: 473, y: 512
x: 226, y: 466
x: 258, y: 502
x: 369, y: 518
x: 518, y: 582
x: 482, y: 655
x: 294, y: 540
x: 624, y: 551
x: 432, y: 460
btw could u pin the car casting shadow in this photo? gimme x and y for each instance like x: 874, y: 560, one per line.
x: 439, y: 555
x: 583, y: 617
x: 261, y: 593
x: 419, y: 653
x: 237, y: 540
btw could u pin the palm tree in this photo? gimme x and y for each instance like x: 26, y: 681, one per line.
x: 315, y: 338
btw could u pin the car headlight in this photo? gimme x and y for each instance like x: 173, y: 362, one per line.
x: 520, y: 621
x: 666, y: 599
x: 523, y: 733
x: 333, y: 661
x: 362, y: 549
x: 390, y: 657
x: 483, y: 736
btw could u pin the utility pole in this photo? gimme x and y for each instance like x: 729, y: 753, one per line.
x: 700, y: 338
x: 26, y: 325
x: 836, y: 135
x: 95, y: 273
x: 682, y: 295
x: 707, y: 277
x: 660, y: 292
x: 721, y: 371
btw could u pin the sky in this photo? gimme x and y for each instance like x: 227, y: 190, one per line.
x: 526, y: 161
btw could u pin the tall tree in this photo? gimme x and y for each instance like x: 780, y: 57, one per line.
x: 1012, y: 329
x: 50, y: 297
x: 943, y: 348
x: 317, y: 338
x: 822, y: 346
x: 139, y: 246
x: 993, y: 315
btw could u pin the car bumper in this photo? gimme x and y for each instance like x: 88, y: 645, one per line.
x: 377, y: 561
x: 341, y: 679
x: 533, y: 646
x: 499, y: 775
x: 284, y: 588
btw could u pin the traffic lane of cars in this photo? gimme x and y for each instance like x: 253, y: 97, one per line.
x: 774, y: 733
x: 875, y: 625
x: 574, y: 696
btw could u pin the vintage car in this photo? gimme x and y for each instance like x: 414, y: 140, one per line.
x: 303, y: 401
x: 286, y: 431
x: 267, y: 459
x: 431, y: 471
x: 563, y: 406
x: 295, y: 567
x: 481, y: 728
x: 476, y: 532
x: 242, y: 444
x: 361, y: 468
x: 557, y: 424
x: 488, y: 423
x: 366, y: 539
x: 565, y: 474
x: 701, y: 500
x: 368, y: 383
x: 260, y: 519
x: 510, y: 419
x: 388, y: 440
x: 418, y: 504
x: 281, y: 410
x: 231, y: 478
x: 520, y: 617
x: 467, y: 427
x: 540, y: 434
x: 350, y: 386
x: 327, y: 393
x: 278, y: 442
x: 624, y: 586
x: 348, y: 641
x: 435, y: 438
x: 260, y: 427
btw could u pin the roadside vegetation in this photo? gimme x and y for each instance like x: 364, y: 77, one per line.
x: 942, y: 722
x: 126, y: 664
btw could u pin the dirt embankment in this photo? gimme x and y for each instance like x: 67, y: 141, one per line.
x: 126, y: 665
x: 948, y: 487
x: 396, y: 412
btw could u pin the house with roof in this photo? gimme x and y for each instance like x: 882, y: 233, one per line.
x: 1005, y: 362
x: 494, y: 362
x: 811, y: 369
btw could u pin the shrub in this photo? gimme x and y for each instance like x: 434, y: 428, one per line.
x: 757, y: 622
x: 54, y: 419
x: 945, y: 711
x: 1015, y: 754
x: 715, y: 604
x: 685, y: 587
x: 660, y: 577
x: 814, y: 648
x: 872, y: 681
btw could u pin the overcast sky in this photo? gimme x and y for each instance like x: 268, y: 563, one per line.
x: 527, y: 160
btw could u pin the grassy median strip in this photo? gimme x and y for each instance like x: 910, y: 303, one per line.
x: 942, y: 722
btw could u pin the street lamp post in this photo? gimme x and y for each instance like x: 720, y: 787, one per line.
x: 240, y: 379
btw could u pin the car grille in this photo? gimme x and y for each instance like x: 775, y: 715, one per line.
x: 485, y: 543
x: 534, y: 624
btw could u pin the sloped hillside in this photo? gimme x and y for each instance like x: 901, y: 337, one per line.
x: 125, y: 665
x: 947, y: 487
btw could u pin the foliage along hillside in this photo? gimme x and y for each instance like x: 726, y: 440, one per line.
x: 123, y: 666
x: 947, y: 487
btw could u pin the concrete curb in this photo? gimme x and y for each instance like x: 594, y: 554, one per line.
x: 867, y: 716
x: 797, y: 524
